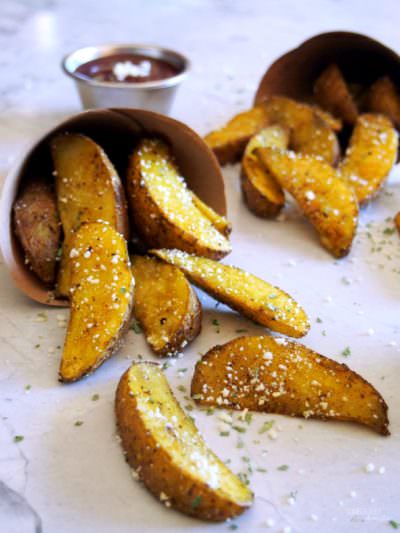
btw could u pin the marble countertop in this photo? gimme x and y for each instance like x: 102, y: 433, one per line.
x: 56, y: 475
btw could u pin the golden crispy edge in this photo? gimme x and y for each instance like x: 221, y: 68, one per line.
x: 113, y: 346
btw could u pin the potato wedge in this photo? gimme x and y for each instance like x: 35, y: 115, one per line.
x: 166, y: 305
x: 162, y: 207
x: 88, y: 190
x: 384, y: 98
x: 309, y: 132
x: 101, y: 299
x: 276, y: 376
x: 325, y: 199
x: 261, y: 192
x: 37, y: 226
x: 370, y: 156
x: 332, y: 94
x: 168, y: 454
x: 219, y: 222
x: 229, y: 142
x: 251, y: 296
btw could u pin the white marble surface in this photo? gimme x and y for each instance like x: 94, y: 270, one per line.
x: 68, y: 478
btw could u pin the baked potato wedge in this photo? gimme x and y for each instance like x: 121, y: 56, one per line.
x: 384, y: 98
x: 219, y: 222
x: 101, y: 291
x: 167, y: 453
x: 326, y: 200
x: 310, y: 133
x: 276, y: 376
x: 332, y: 93
x: 88, y: 190
x: 162, y: 206
x: 37, y: 226
x: 166, y: 306
x: 229, y: 142
x: 261, y: 192
x: 250, y: 296
x: 370, y: 156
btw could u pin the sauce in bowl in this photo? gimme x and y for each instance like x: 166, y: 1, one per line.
x: 126, y: 68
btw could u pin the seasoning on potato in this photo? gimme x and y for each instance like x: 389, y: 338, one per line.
x: 273, y: 375
x: 262, y: 194
x: 370, y: 156
x: 101, y: 291
x: 168, y: 454
x: 326, y: 200
x: 88, y: 190
x: 253, y: 297
x: 166, y: 305
x: 162, y: 207
x: 37, y: 225
x: 332, y: 93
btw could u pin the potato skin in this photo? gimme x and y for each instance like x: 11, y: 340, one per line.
x: 261, y: 374
x: 154, y: 467
x: 257, y: 203
x: 156, y: 227
x: 262, y: 194
x: 37, y: 226
x: 163, y: 291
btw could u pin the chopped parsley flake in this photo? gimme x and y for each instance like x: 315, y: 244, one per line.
x: 346, y: 352
x: 394, y: 524
x: 78, y: 423
x: 136, y: 327
x: 18, y: 438
x: 283, y: 468
x: 266, y: 427
x: 95, y: 397
x: 389, y: 231
x: 319, y: 320
x: 196, y: 502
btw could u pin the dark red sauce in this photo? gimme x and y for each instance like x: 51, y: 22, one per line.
x: 103, y: 69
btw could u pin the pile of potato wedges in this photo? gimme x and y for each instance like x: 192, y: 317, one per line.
x: 285, y: 145
x: 76, y: 229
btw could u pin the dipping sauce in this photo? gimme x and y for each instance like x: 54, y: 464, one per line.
x: 127, y: 68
